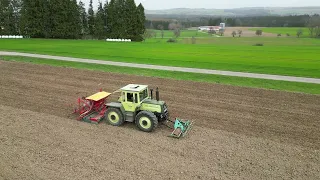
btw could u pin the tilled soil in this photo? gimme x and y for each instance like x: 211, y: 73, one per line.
x: 239, y: 133
x: 246, y: 32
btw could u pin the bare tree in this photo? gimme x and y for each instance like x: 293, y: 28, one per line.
x: 313, y: 25
x: 239, y: 32
x: 176, y: 29
x: 161, y: 29
x: 193, y: 40
x: 234, y: 33
x: 173, y: 26
x: 176, y: 32
x: 299, y: 32
x: 148, y: 34
x: 258, y: 32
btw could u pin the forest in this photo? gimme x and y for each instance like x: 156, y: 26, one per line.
x: 67, y: 19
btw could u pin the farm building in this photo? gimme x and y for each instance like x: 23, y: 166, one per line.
x: 215, y: 28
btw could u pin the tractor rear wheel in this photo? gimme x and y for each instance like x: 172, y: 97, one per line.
x: 114, y: 116
x: 146, y: 121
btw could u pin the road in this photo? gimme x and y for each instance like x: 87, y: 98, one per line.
x: 168, y: 68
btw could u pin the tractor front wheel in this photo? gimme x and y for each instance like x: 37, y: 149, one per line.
x: 146, y: 121
x: 114, y: 116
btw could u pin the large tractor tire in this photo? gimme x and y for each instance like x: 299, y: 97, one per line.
x: 146, y: 121
x: 114, y: 116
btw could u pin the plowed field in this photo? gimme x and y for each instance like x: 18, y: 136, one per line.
x: 239, y: 133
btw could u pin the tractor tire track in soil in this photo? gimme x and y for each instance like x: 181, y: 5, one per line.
x: 239, y: 133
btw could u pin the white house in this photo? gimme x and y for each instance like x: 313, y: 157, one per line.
x: 215, y: 28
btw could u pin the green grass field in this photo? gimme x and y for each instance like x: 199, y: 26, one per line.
x: 284, y: 30
x: 183, y: 34
x: 282, y: 56
x: 237, y: 81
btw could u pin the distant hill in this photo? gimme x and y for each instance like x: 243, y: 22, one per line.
x: 252, y: 11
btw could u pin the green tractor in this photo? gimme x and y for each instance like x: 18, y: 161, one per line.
x: 135, y: 104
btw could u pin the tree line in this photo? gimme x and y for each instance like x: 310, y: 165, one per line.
x: 248, y: 21
x: 67, y: 19
x: 312, y: 22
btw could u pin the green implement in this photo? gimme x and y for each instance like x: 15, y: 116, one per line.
x: 181, y: 128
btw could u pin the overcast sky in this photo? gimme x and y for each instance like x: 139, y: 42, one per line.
x: 224, y: 4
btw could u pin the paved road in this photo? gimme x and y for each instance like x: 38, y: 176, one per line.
x: 168, y: 68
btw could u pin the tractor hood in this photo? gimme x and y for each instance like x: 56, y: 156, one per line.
x: 153, y: 105
x: 153, y: 101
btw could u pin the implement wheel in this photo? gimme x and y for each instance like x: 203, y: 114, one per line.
x: 114, y: 116
x: 146, y: 121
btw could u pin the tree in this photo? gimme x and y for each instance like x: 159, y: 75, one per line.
x: 221, y: 32
x: 132, y: 20
x: 175, y: 26
x: 91, y: 19
x: 99, y: 22
x: 147, y: 34
x: 313, y: 25
x: 193, y: 40
x: 111, y: 15
x: 74, y: 19
x: 105, y: 18
x: 140, y: 23
x: 234, y: 33
x: 64, y: 20
x: 4, y: 16
x: 83, y: 18
x: 160, y: 26
x: 299, y: 32
x: 36, y: 20
x: 239, y: 32
x: 176, y: 32
x: 258, y: 32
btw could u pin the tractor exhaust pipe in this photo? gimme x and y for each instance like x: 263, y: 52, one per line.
x: 157, y: 94
x: 151, y: 93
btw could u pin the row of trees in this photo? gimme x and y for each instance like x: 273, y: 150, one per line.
x: 257, y: 21
x: 67, y: 19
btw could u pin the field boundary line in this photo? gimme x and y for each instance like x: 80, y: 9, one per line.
x: 168, y: 68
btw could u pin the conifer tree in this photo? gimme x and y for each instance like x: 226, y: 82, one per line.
x: 83, y: 18
x: 140, y: 25
x: 91, y: 19
x: 99, y: 22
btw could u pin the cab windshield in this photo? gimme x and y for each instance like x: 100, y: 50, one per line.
x: 143, y: 94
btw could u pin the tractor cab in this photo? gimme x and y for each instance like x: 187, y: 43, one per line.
x: 132, y: 96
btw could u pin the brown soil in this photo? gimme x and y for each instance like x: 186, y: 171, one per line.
x: 246, y: 32
x: 239, y: 133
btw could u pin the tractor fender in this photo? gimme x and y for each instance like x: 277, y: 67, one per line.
x: 116, y: 105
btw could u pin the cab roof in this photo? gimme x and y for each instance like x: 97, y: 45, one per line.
x: 134, y: 87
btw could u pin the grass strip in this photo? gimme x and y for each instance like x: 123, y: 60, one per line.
x: 218, y: 79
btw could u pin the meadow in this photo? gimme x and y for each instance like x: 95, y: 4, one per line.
x: 282, y: 56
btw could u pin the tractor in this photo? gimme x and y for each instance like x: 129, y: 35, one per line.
x: 135, y: 104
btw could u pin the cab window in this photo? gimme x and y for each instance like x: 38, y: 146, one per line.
x: 143, y: 94
x: 129, y: 97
